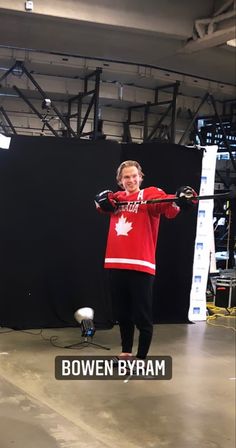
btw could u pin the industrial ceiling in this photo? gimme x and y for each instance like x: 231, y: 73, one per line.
x: 138, y: 45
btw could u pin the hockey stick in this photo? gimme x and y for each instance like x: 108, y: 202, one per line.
x: 230, y: 195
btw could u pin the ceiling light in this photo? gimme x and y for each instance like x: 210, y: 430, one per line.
x: 231, y: 42
x: 4, y: 142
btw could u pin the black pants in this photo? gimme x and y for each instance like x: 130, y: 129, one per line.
x: 131, y: 293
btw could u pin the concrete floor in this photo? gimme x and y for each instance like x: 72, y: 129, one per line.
x: 196, y: 409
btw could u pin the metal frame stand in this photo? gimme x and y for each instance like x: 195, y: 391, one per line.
x: 166, y: 132
x: 93, y: 96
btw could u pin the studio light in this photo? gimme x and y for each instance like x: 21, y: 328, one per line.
x: 46, y: 104
x: 84, y: 316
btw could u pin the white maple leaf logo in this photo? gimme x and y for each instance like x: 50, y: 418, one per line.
x: 123, y: 226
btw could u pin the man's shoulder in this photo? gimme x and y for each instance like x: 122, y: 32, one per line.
x: 149, y: 191
x: 119, y: 194
x: 152, y: 188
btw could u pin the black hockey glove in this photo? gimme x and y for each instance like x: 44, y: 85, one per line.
x: 105, y: 201
x: 186, y: 198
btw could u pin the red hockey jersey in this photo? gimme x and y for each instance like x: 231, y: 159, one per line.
x: 133, y: 231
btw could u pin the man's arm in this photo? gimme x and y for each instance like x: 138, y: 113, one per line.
x: 186, y: 201
x: 168, y: 209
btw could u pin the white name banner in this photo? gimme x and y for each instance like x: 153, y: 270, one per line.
x: 204, y: 237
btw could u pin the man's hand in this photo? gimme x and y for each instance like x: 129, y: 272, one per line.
x: 105, y: 201
x: 186, y: 197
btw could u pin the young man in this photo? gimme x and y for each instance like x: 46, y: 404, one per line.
x: 131, y: 250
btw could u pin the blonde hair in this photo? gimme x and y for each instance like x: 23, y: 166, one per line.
x: 126, y: 164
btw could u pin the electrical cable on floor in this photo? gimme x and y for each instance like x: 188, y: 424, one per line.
x: 21, y: 331
x: 52, y: 339
x: 6, y: 331
x: 39, y: 333
x: 216, y: 312
x: 30, y: 332
x: 219, y: 325
x: 226, y: 312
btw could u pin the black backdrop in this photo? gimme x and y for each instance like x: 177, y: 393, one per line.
x: 169, y: 166
x: 52, y: 241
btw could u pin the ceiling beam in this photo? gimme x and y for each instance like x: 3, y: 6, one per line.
x: 213, y: 31
x: 219, y: 37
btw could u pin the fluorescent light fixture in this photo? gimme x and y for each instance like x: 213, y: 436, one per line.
x: 9, y: 94
x: 231, y: 42
x: 4, y: 142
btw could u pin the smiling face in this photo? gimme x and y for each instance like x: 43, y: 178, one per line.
x: 130, y: 179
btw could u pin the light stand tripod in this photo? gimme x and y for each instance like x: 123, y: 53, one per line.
x: 84, y: 317
x: 86, y: 343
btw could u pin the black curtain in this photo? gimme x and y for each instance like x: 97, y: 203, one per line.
x: 52, y: 240
x: 169, y: 166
